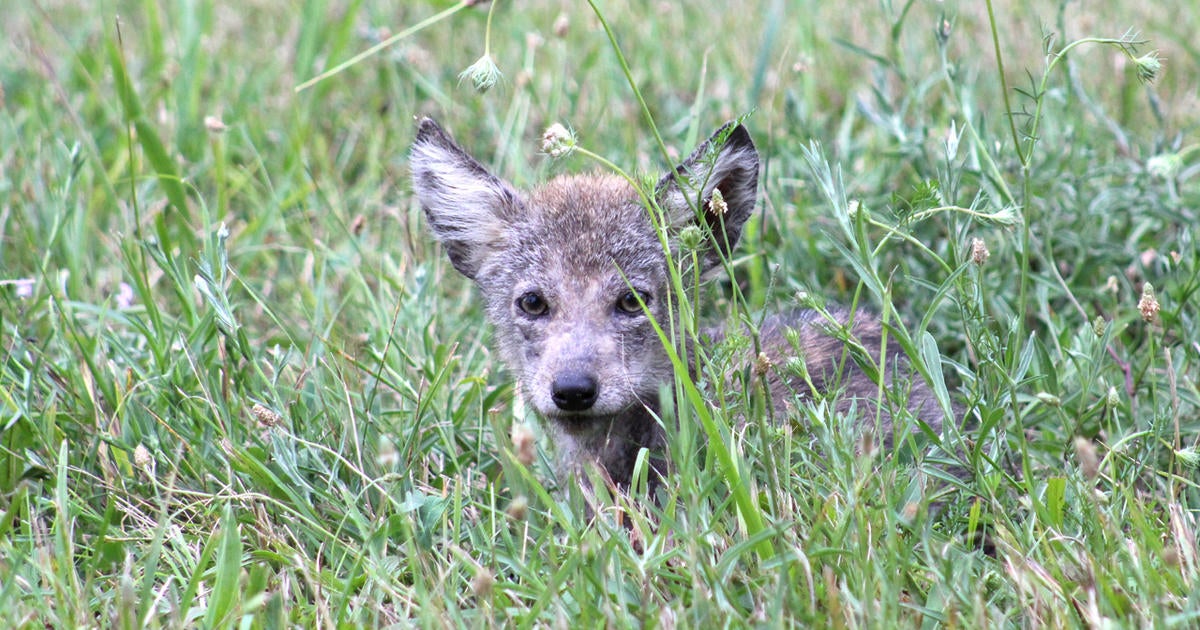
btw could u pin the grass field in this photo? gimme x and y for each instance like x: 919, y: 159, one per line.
x: 241, y: 386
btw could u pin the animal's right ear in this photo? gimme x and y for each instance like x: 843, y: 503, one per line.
x: 468, y: 208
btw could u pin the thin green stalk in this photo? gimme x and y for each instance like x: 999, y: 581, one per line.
x: 1023, y: 271
x: 419, y: 26
x: 612, y: 39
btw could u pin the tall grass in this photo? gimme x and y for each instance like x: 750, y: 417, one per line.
x: 239, y: 385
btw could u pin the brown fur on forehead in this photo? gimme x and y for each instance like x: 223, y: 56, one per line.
x: 588, y: 222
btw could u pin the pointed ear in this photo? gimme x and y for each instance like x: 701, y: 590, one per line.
x: 726, y: 162
x: 468, y: 208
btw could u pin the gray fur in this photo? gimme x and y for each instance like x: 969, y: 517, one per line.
x: 578, y: 243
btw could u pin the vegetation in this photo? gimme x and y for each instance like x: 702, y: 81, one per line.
x: 240, y: 385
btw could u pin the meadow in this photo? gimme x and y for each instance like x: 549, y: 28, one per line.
x: 241, y: 386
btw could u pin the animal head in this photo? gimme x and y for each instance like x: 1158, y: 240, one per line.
x: 573, y: 270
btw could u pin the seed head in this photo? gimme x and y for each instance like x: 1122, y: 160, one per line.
x: 558, y: 141
x: 523, y: 442
x: 762, y: 365
x: 265, y: 416
x: 1164, y: 165
x: 1113, y: 398
x: 214, y: 124
x: 717, y: 205
x: 484, y: 73
x: 690, y: 237
x: 483, y: 582
x: 795, y: 366
x: 561, y: 25
x: 141, y: 457
x: 1049, y: 399
x: 1148, y: 305
x: 518, y: 508
x: 943, y: 32
x: 1089, y: 463
x: 1148, y: 67
x: 979, y: 251
x: 1189, y: 457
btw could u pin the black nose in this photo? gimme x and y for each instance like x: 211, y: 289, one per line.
x: 574, y: 392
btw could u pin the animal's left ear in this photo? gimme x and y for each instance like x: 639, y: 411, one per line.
x: 727, y: 162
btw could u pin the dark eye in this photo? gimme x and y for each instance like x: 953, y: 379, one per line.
x: 629, y: 304
x: 531, y: 303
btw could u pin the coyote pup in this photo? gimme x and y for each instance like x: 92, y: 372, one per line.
x: 572, y: 272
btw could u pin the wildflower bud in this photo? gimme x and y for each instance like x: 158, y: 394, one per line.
x: 943, y: 32
x: 1188, y: 456
x: 1113, y: 398
x: 519, y: 507
x: 24, y: 287
x: 561, y: 25
x: 762, y: 364
x: 952, y: 139
x: 265, y: 416
x: 806, y: 299
x: 1164, y: 165
x: 1148, y: 305
x: 1099, y: 325
x: 795, y: 366
x: 690, y: 237
x: 979, y: 251
x: 523, y: 442
x: 853, y: 208
x: 214, y: 124
x: 1049, y: 399
x: 125, y: 295
x: 484, y: 74
x: 1148, y: 67
x: 141, y: 456
x: 558, y: 141
x: 1089, y: 463
x: 717, y: 205
x: 482, y: 583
